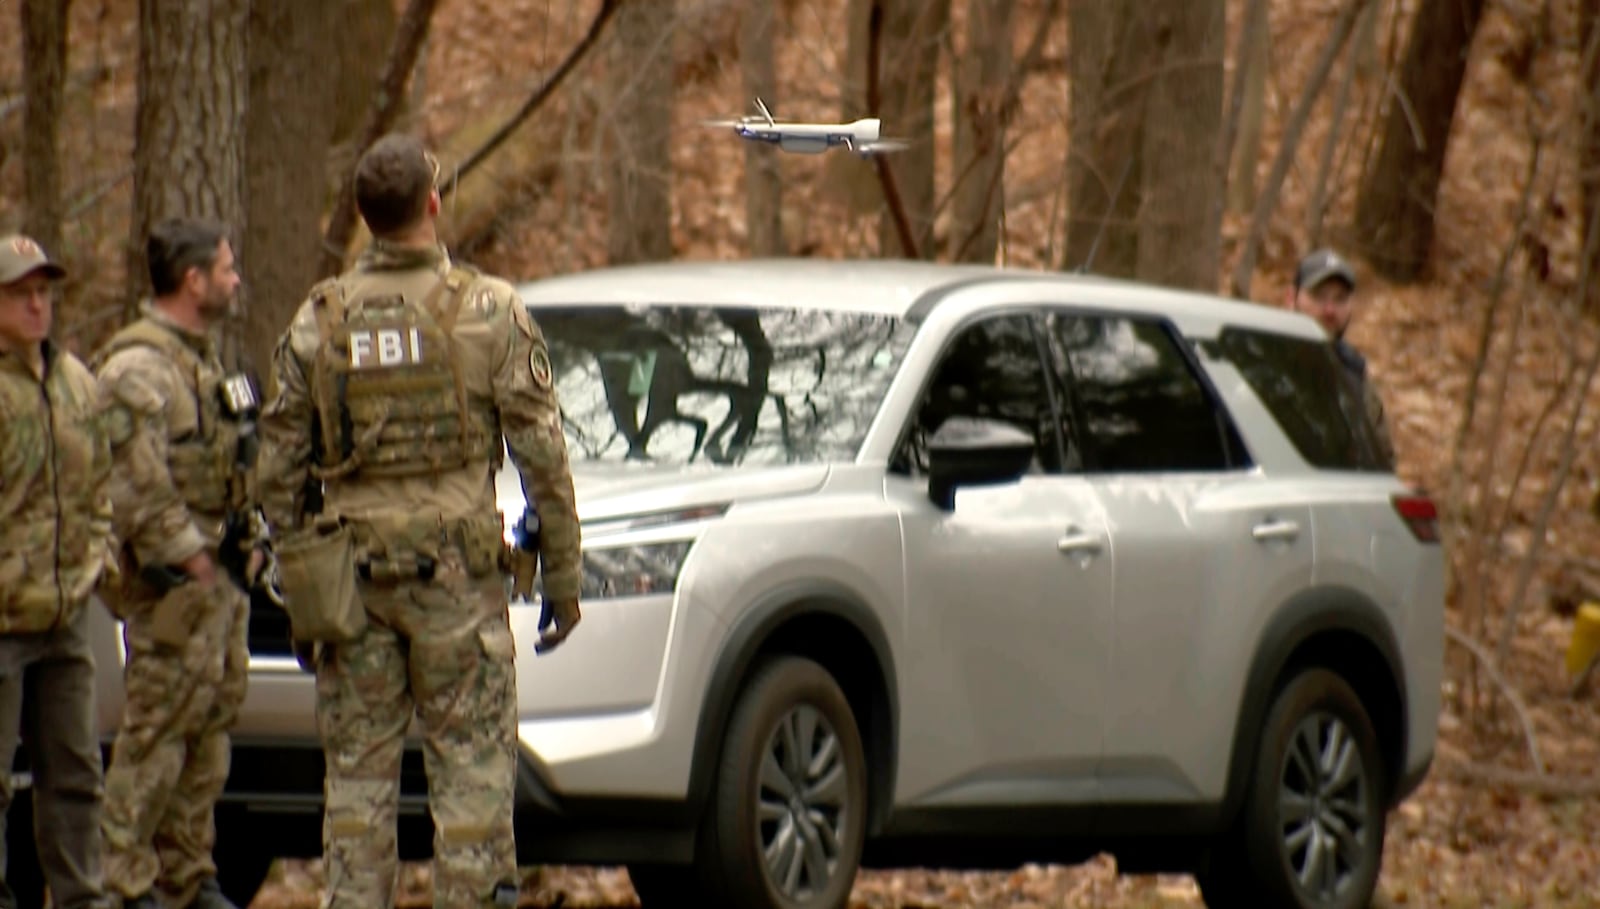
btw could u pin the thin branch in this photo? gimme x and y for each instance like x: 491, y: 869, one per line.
x: 1492, y: 670
x: 1341, y: 104
x: 412, y: 31
x: 1540, y: 784
x: 1245, y: 271
x: 536, y: 100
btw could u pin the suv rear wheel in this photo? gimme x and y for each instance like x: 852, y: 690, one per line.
x: 1311, y: 831
x: 788, y: 815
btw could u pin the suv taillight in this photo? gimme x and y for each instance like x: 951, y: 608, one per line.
x: 1420, y: 515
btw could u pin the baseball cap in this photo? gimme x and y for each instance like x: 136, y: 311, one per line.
x: 1321, y: 265
x: 20, y: 256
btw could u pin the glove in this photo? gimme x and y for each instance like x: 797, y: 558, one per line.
x: 565, y: 615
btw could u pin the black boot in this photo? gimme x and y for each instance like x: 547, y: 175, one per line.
x: 210, y: 897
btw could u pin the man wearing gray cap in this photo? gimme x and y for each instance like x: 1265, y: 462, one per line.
x: 55, y: 549
x: 1324, y: 289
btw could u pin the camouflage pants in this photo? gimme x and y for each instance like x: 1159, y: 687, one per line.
x: 442, y: 650
x: 47, y: 683
x: 171, y: 756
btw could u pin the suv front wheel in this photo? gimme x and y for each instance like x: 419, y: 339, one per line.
x: 1312, y: 826
x: 787, y: 819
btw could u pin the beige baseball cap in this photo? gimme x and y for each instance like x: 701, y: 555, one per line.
x: 20, y: 256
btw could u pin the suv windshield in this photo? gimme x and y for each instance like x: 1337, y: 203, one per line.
x: 692, y: 384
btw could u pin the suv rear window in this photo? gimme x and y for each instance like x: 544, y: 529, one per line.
x: 1312, y: 396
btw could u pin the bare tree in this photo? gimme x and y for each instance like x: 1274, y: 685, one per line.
x: 1395, y: 208
x: 639, y: 166
x: 908, y: 62
x: 982, y: 77
x: 763, y: 170
x: 189, y: 129
x: 1589, y: 167
x: 1106, y: 131
x: 290, y: 125
x: 44, y: 65
x: 1179, y: 242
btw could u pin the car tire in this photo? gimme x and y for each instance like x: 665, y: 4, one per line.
x: 789, y: 837
x: 1311, y: 830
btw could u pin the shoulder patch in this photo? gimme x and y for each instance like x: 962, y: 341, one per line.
x: 539, y: 366
x: 134, y: 392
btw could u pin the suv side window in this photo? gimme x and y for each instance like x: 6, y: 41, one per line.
x: 1141, y: 404
x: 992, y: 368
x: 1312, y: 396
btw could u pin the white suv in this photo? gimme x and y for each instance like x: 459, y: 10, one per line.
x: 892, y: 563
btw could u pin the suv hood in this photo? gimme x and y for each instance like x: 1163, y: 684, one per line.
x: 611, y: 491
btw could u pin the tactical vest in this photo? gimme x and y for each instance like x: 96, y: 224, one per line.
x: 202, y: 461
x: 387, y: 384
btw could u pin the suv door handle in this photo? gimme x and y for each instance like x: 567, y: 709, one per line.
x: 1080, y: 542
x: 1275, y: 530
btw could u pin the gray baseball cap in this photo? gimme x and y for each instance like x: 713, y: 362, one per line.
x: 20, y: 256
x: 1321, y: 265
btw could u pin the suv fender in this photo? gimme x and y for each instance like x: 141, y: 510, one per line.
x: 825, y: 621
x: 1330, y: 626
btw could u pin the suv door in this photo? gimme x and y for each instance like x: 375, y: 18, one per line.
x: 1009, y: 596
x: 1206, y: 548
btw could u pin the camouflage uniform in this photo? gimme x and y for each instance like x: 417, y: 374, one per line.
x: 188, y: 659
x: 55, y: 549
x: 410, y: 420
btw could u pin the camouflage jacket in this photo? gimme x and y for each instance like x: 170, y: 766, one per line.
x: 55, y: 516
x: 172, y: 447
x: 504, y: 368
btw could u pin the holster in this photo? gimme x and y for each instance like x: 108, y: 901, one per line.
x: 317, y: 576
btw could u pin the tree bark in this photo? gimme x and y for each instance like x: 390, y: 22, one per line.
x: 44, y: 67
x: 763, y: 166
x: 289, y: 125
x: 908, y: 71
x: 1248, y: 104
x: 1179, y: 238
x: 386, y: 105
x: 189, y: 129
x: 1395, y: 209
x: 1108, y: 70
x: 639, y: 74
x: 983, y: 76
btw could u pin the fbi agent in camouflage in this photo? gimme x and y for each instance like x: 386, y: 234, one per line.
x: 1324, y: 289
x: 55, y: 548
x: 395, y: 384
x: 175, y: 447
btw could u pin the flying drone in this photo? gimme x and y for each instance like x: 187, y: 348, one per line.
x: 860, y: 136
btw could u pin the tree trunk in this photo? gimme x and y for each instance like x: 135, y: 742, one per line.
x: 189, y: 129
x: 385, y: 107
x: 1108, y: 71
x: 289, y: 124
x: 639, y: 74
x: 907, y: 71
x: 1395, y: 209
x: 1250, y: 93
x: 44, y: 67
x: 982, y: 77
x: 1179, y: 238
x: 1589, y: 157
x: 763, y: 165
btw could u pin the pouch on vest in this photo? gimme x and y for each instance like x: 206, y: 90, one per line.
x: 317, y: 575
x: 174, y: 616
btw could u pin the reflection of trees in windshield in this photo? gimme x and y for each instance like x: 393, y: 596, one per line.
x: 675, y: 384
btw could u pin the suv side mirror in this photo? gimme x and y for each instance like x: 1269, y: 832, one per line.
x: 973, y: 451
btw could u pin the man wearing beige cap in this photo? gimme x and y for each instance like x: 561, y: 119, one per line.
x: 55, y: 549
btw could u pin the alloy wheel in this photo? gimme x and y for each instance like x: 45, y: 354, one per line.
x: 1323, y: 806
x: 802, y: 803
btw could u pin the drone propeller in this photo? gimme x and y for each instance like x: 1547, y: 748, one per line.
x: 879, y: 146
